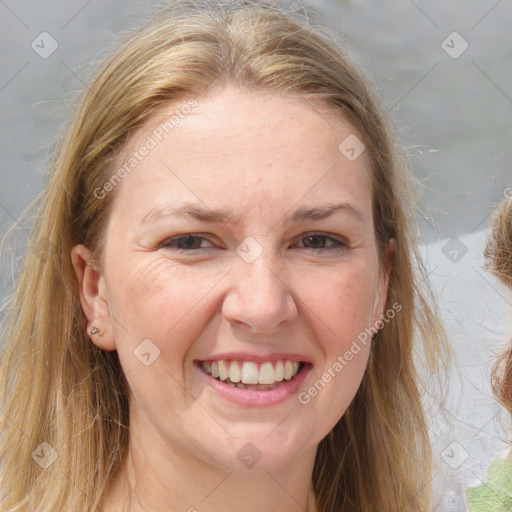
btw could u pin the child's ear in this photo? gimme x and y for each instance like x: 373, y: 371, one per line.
x: 93, y: 297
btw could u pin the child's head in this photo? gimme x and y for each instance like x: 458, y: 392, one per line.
x: 498, y: 254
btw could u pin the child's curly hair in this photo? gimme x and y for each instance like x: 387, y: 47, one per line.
x: 498, y: 255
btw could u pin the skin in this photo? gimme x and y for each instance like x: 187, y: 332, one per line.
x: 260, y: 156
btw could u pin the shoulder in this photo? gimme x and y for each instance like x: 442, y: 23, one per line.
x: 495, y: 492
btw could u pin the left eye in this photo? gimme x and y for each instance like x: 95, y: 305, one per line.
x: 316, y: 238
x: 193, y: 242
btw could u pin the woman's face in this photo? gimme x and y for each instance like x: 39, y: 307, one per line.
x: 220, y: 246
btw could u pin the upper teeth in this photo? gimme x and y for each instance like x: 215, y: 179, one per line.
x: 248, y: 372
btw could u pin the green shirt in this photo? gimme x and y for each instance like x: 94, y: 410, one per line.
x: 495, y: 493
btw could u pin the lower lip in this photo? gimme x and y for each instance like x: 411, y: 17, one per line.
x: 253, y: 398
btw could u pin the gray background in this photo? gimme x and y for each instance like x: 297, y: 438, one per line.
x: 454, y: 114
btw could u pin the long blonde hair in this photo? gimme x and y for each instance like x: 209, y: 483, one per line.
x: 59, y: 388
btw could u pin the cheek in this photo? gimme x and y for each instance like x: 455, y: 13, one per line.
x: 160, y: 310
x: 341, y: 317
x: 341, y: 304
x: 342, y: 308
x: 157, y: 300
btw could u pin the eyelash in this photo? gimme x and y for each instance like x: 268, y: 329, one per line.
x: 337, y: 246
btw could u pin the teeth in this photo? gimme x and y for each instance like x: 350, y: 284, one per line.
x: 247, y: 372
x: 267, y: 373
x: 250, y: 373
x: 215, y: 369
x: 279, y: 370
x: 262, y: 387
x: 223, y: 370
x: 288, y: 370
x: 234, y: 372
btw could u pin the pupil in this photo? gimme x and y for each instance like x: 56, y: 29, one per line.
x: 184, y: 241
x: 315, y: 237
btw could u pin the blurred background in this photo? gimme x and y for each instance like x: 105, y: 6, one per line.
x: 443, y: 71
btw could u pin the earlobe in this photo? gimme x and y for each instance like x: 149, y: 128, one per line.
x: 93, y: 298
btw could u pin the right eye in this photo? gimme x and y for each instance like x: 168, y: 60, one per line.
x: 186, y: 243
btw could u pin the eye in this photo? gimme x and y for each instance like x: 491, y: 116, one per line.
x: 313, y: 241
x: 184, y: 242
x: 317, y: 240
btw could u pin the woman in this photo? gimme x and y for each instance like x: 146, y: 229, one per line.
x: 495, y: 494
x: 218, y: 309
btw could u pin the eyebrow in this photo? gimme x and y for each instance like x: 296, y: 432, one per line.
x: 199, y: 212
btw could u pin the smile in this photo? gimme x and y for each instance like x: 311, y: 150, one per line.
x: 252, y: 375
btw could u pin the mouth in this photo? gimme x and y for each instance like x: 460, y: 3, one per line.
x: 251, y: 375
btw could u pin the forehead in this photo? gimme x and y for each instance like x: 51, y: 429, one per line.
x: 255, y: 116
x: 236, y: 144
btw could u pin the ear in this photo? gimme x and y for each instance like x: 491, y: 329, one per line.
x: 382, y: 288
x: 93, y: 297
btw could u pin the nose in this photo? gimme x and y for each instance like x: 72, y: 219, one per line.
x: 259, y: 299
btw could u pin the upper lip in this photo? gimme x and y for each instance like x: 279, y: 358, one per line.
x: 257, y: 358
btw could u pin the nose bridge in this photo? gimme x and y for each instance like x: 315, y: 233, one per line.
x: 261, y: 275
x: 259, y: 297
